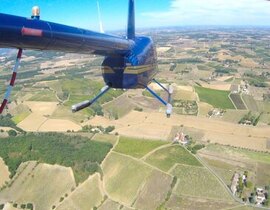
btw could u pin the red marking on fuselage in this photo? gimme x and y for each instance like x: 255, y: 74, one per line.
x: 19, y: 55
x: 13, y: 78
x: 31, y: 32
x: 3, y: 105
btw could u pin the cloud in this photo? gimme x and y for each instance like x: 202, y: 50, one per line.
x: 214, y: 12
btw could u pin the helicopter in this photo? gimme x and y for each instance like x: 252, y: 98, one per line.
x: 130, y: 62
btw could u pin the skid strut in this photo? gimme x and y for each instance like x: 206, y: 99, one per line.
x: 169, y: 90
x: 85, y: 104
x: 12, y: 81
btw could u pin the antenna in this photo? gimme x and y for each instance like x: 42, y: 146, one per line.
x: 100, y: 21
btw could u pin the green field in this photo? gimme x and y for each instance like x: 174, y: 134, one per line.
x: 166, y: 158
x: 123, y: 177
x: 20, y: 117
x: 217, y: 98
x: 44, y: 95
x: 78, y: 152
x: 137, y: 147
x: 198, y: 182
x: 84, y: 89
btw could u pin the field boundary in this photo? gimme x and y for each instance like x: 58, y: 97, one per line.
x: 154, y: 150
x: 232, y: 101
x: 143, y: 162
x: 244, y: 102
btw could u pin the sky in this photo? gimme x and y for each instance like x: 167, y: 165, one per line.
x: 149, y: 13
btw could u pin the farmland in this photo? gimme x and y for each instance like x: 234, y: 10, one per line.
x: 186, y: 202
x: 237, y: 101
x: 250, y: 102
x: 45, y: 95
x: 109, y: 204
x: 196, y: 181
x: 226, y: 160
x: 155, y: 190
x: 217, y: 98
x: 166, y: 158
x: 234, y: 115
x: 202, y: 65
x: 236, y: 152
x: 113, y: 110
x: 105, y: 138
x: 36, y: 184
x: 4, y: 173
x: 137, y: 147
x: 70, y: 151
x: 84, y: 197
x: 123, y: 177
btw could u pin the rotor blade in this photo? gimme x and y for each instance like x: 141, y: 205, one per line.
x: 101, y: 29
x: 19, y: 32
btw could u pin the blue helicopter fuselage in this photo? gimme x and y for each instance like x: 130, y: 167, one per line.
x: 128, y: 63
x: 133, y: 70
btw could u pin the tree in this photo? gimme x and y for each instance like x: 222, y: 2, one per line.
x: 12, y: 133
x: 252, y: 199
x: 109, y: 129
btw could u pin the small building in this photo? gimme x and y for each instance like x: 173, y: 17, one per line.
x: 181, y: 138
x: 260, y: 196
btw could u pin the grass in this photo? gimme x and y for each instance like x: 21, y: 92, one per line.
x: 123, y: 177
x: 84, y: 89
x: 78, y: 152
x: 204, y: 108
x: 198, y: 182
x: 20, y: 117
x: 166, y: 158
x: 229, y: 80
x: 137, y: 147
x: 265, y: 118
x: 37, y: 184
x: 109, y: 204
x: 86, y: 196
x: 263, y: 106
x: 217, y: 98
x: 223, y: 169
x: 118, y: 107
x: 187, y: 202
x: 184, y: 95
x: 64, y: 112
x: 155, y: 190
x: 250, y: 102
x: 234, y: 115
x: 227, y: 150
x: 44, y: 95
x: 112, y: 139
x: 263, y: 174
